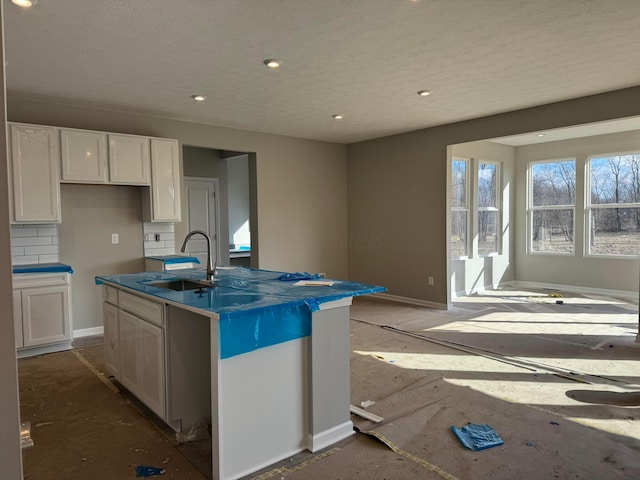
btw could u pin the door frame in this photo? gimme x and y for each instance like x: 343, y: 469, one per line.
x: 216, y: 206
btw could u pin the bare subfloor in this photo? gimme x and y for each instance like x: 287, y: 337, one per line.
x: 560, y: 384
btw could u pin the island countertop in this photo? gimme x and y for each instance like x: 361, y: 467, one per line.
x: 240, y: 290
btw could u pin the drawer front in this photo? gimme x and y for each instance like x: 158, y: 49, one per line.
x: 27, y: 280
x: 141, y: 307
x: 110, y: 295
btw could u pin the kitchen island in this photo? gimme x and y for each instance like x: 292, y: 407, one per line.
x: 261, y: 356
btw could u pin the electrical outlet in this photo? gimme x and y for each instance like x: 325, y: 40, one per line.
x: 430, y: 280
x: 115, y: 238
x: 147, y: 237
x: 157, y: 237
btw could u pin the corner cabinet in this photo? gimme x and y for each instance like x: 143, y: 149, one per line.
x: 33, y: 174
x: 163, y: 202
x: 42, y: 313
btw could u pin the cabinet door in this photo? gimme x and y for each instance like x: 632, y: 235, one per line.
x: 152, y: 384
x: 45, y: 315
x: 83, y: 156
x: 129, y: 341
x: 129, y: 159
x: 111, y: 339
x: 17, y: 317
x: 165, y: 181
x: 34, y: 174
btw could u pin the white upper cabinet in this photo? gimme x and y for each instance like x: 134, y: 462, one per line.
x: 83, y: 156
x: 34, y: 178
x: 165, y: 181
x: 129, y: 160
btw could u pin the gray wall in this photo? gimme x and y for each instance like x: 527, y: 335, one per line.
x: 238, y: 182
x: 475, y: 273
x: 205, y: 162
x: 90, y: 214
x: 397, y: 189
x: 10, y: 456
x: 591, y: 272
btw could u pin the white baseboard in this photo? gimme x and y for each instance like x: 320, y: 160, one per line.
x: 575, y: 289
x: 88, y: 332
x: 410, y: 301
x: 329, y: 437
x: 464, y: 293
x: 43, y: 350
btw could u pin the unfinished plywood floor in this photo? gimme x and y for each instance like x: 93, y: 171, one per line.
x: 559, y: 383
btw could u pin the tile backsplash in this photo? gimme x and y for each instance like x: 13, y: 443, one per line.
x: 34, y: 243
x: 38, y: 243
x: 166, y: 245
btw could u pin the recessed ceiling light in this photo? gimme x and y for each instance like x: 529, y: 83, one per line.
x: 272, y: 63
x: 199, y: 98
x: 24, y: 3
x: 424, y: 93
x: 337, y: 116
x: 540, y: 135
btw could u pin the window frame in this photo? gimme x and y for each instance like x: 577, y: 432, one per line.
x: 589, y: 206
x: 466, y: 209
x: 531, y: 208
x: 477, y: 209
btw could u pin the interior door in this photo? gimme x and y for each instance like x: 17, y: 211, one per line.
x: 202, y: 214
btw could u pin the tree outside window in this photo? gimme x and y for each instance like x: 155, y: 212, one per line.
x: 552, y: 197
x: 613, y: 208
x: 488, y: 218
x: 459, y: 208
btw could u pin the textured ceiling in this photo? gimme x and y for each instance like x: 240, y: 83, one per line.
x: 365, y: 59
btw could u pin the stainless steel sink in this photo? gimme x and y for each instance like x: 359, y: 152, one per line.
x: 181, y: 285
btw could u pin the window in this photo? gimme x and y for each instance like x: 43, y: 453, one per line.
x: 613, y: 205
x: 552, y: 198
x: 480, y: 208
x: 459, y: 208
x: 488, y: 213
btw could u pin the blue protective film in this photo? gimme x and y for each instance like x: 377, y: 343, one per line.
x: 258, y: 329
x: 43, y: 268
x: 171, y: 259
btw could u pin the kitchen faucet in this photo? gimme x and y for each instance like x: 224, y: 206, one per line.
x: 211, y: 272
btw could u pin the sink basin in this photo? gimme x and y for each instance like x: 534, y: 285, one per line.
x: 181, y: 285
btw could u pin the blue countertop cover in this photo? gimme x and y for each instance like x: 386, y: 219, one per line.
x: 175, y: 259
x: 43, y: 268
x: 255, y: 309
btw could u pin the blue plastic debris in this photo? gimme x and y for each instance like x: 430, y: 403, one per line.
x: 144, y: 471
x: 477, y: 437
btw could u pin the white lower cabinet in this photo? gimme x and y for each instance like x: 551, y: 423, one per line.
x: 151, y: 385
x: 45, y: 313
x: 42, y: 312
x: 17, y: 317
x: 135, y: 347
x: 111, y: 339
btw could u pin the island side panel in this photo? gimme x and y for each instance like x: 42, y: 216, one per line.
x: 188, y: 368
x: 262, y: 407
x: 330, y: 375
